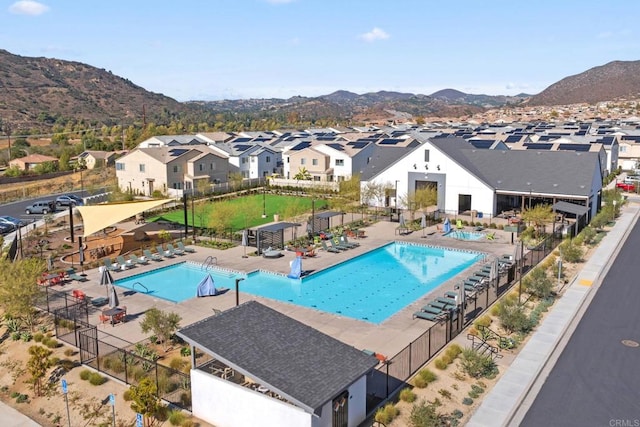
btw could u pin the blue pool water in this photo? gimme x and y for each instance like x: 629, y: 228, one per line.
x: 464, y: 235
x: 371, y: 287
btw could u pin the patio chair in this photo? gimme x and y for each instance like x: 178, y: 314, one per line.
x: 451, y: 294
x: 430, y: 309
x: 139, y: 261
x: 271, y: 253
x: 110, y: 266
x: 125, y: 263
x: 75, y: 276
x: 163, y: 252
x: 459, y: 225
x: 428, y: 316
x: 449, y: 301
x: 329, y: 249
x: 104, y: 318
x: 184, y: 248
x: 175, y: 251
x: 147, y: 253
x: 345, y: 241
x: 334, y: 244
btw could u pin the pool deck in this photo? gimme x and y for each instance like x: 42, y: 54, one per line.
x: 387, y: 338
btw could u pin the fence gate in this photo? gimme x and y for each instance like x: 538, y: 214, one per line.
x: 88, y: 344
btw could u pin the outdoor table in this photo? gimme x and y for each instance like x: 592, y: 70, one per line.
x: 98, y: 302
x: 112, y: 312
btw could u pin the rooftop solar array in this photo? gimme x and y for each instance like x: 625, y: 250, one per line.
x: 480, y: 143
x: 538, y: 146
x: 574, y: 147
x: 301, y: 146
x: 336, y: 147
x: 390, y: 141
x: 514, y: 138
x: 241, y: 140
x: 175, y: 152
x: 358, y: 144
x: 242, y: 147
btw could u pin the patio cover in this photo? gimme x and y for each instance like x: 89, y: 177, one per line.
x: 571, y: 208
x: 98, y: 217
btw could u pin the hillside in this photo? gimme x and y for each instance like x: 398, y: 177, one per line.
x: 37, y: 91
x: 617, y: 79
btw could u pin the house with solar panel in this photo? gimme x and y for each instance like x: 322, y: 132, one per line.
x: 172, y: 141
x: 258, y: 367
x: 489, y: 181
x: 253, y: 158
x: 170, y: 168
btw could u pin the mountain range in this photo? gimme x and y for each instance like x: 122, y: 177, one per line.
x: 40, y: 92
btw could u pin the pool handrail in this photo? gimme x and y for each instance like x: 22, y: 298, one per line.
x: 209, y: 262
x: 146, y: 290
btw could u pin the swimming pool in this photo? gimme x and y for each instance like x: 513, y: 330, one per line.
x: 465, y: 235
x: 371, y: 287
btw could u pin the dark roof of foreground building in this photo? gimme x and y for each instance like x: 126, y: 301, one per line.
x: 304, y: 365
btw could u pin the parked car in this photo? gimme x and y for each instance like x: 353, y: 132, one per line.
x: 624, y: 186
x: 15, y: 222
x: 69, y: 200
x: 6, y: 228
x: 43, y: 207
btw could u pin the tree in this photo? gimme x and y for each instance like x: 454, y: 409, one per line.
x: 37, y: 366
x: 419, y: 199
x: 19, y: 290
x: 220, y: 217
x: 302, y: 175
x: 538, y: 215
x: 145, y: 400
x: 236, y: 179
x: 63, y: 162
x: 162, y: 324
x: 537, y: 283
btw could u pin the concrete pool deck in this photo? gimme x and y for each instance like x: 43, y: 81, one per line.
x: 387, y: 338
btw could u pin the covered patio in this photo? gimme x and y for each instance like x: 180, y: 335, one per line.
x: 272, y: 235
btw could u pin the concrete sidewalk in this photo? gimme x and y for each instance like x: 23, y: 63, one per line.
x: 12, y: 418
x: 507, y: 403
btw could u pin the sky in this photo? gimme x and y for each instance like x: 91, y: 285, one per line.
x: 238, y: 49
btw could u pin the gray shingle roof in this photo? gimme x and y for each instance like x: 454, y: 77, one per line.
x: 300, y: 363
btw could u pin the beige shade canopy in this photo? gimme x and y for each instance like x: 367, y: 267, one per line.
x: 98, y: 217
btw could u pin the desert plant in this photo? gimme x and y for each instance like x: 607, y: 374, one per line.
x: 483, y: 321
x: 441, y: 364
x: 97, y: 379
x: 85, y: 374
x: 445, y: 393
x: 407, y: 395
x: 425, y: 414
x: 453, y: 351
x: 477, y: 365
x: 537, y: 283
x: 467, y: 401
x: 38, y: 337
x: 26, y: 336
x: 176, y: 417
x: 69, y: 352
x: 185, y: 351
x: 512, y: 316
x: 570, y: 251
x: 427, y: 375
x: 419, y: 382
x: 386, y: 414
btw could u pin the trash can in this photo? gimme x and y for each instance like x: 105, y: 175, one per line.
x: 479, y: 215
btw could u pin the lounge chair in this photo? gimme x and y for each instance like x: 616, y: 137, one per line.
x: 430, y: 309
x: 335, y: 245
x: 163, y: 252
x: 482, y: 274
x: 125, y: 263
x: 271, y: 253
x: 459, y: 225
x: 470, y: 289
x: 440, y: 305
x: 329, y: 249
x: 344, y: 241
x: 148, y: 255
x: 139, y: 261
x: 110, y: 266
x: 71, y: 274
x: 448, y: 301
x: 184, y: 248
x: 451, y: 294
x: 176, y: 251
x: 428, y: 316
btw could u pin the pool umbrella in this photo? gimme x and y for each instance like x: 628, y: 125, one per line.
x: 446, y: 227
x: 49, y: 263
x: 493, y: 273
x: 105, y: 277
x: 81, y: 253
x: 296, y: 268
x: 113, y: 297
x: 206, y: 287
x: 401, y: 221
x: 245, y: 242
x: 423, y: 223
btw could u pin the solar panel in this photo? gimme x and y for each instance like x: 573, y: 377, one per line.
x: 326, y: 138
x: 242, y: 147
x: 513, y: 138
x: 537, y: 146
x: 574, y: 147
x: 175, y: 152
x: 301, y: 146
x: 336, y: 147
x: 480, y: 143
x: 390, y: 141
x: 241, y: 140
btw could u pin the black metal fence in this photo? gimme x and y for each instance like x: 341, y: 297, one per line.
x: 109, y: 354
x: 392, y: 374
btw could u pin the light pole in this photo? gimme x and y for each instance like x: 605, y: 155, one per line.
x: 264, y: 202
x: 313, y: 218
x: 395, y: 197
x: 238, y: 280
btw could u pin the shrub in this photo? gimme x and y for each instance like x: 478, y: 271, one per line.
x: 85, y: 374
x: 387, y: 414
x: 457, y: 414
x: 127, y: 395
x: 407, y: 395
x: 512, y: 316
x: 570, y: 251
x: 97, y: 379
x: 22, y: 398
x: 427, y: 375
x: 69, y: 352
x: 51, y: 343
x: 38, y: 337
x: 177, y: 363
x: 483, y: 321
x: 188, y: 423
x: 477, y: 365
x: 425, y: 414
x: 467, y: 401
x: 185, y: 399
x: 176, y: 417
x: 66, y: 364
x: 419, y: 382
x: 446, y: 358
x: 477, y: 389
x: 537, y: 283
x: 453, y: 351
x: 441, y: 364
x: 445, y: 393
x: 185, y: 351
x: 15, y: 336
x: 26, y: 336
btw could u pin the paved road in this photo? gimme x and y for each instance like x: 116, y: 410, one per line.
x: 596, y: 380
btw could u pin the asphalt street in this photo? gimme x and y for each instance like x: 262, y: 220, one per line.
x: 596, y: 379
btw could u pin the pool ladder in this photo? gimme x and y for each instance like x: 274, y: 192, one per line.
x: 209, y: 262
x: 146, y: 290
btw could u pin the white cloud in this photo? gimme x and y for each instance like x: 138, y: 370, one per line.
x: 373, y: 35
x: 28, y: 7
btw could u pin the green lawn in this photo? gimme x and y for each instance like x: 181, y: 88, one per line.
x: 243, y: 212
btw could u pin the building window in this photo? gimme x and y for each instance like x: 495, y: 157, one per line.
x: 243, y: 160
x: 201, y: 167
x: 623, y: 148
x: 176, y: 169
x: 268, y: 159
x: 212, y: 166
x: 314, y: 162
x: 426, y: 155
x: 141, y: 167
x: 316, y: 178
x: 339, y: 162
x: 303, y: 161
x: 253, y: 159
x: 119, y: 166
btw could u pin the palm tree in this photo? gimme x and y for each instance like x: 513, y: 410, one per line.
x: 302, y: 175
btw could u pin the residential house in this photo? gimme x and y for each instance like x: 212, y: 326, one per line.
x: 172, y: 141
x: 252, y: 159
x: 167, y: 169
x: 265, y: 368
x: 31, y: 161
x: 92, y: 159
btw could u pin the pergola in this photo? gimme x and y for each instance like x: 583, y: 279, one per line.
x: 272, y: 235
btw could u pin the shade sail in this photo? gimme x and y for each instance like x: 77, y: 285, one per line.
x: 99, y: 217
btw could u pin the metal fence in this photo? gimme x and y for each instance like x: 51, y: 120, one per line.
x: 391, y: 375
x: 109, y: 354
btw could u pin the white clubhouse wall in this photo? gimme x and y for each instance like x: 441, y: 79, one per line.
x: 225, y: 404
